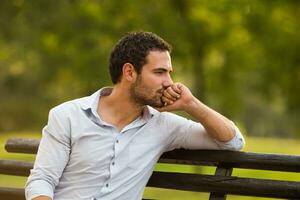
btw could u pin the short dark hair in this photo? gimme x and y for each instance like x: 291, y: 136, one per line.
x: 133, y: 48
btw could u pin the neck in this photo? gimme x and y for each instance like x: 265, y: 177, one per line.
x: 117, y: 108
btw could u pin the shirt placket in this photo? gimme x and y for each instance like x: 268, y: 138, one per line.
x: 108, y: 187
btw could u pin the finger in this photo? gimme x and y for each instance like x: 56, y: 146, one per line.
x: 176, y: 88
x: 168, y: 94
x: 168, y: 108
x: 162, y: 109
x: 172, y: 93
x: 167, y: 101
x: 165, y: 108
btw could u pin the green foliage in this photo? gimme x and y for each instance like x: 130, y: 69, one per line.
x: 239, y: 57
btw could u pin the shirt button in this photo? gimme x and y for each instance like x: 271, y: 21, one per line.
x: 113, y: 163
x: 107, y: 185
x: 117, y: 141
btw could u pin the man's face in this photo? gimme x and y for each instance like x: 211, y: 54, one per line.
x: 154, y: 78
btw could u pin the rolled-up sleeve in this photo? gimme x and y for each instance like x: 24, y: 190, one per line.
x: 189, y: 134
x: 52, y: 157
x: 44, y: 188
x: 235, y: 144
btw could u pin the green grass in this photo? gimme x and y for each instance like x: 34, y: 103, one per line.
x: 254, y: 144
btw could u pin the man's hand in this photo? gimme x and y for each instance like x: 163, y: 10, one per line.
x: 176, y: 97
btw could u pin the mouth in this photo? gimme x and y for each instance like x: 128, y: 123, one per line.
x: 158, y: 98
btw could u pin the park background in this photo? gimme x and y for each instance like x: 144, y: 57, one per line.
x: 240, y: 57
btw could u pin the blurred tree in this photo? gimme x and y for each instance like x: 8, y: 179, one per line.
x: 240, y: 57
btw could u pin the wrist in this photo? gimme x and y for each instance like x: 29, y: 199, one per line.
x: 196, y: 107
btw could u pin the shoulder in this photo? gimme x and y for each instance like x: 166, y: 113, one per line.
x: 69, y: 107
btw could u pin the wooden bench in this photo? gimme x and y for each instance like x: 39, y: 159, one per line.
x: 218, y: 185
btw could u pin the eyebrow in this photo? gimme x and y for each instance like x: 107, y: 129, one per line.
x: 162, y: 69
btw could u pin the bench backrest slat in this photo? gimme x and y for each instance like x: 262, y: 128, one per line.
x: 236, y: 159
x: 277, y: 162
x: 17, y: 168
x: 223, y: 184
x: 12, y: 193
x: 22, y: 145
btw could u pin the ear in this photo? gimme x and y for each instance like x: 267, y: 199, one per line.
x: 129, y: 73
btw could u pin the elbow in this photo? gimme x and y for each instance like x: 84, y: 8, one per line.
x: 238, y: 140
x: 38, y: 189
x: 240, y: 144
x: 237, y: 143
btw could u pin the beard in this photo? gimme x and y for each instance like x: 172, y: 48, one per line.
x: 143, y: 95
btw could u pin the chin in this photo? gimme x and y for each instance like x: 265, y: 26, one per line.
x: 157, y: 104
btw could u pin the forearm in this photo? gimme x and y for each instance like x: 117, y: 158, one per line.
x: 42, y: 198
x: 218, y: 126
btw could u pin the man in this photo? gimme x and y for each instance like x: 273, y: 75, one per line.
x: 105, y: 146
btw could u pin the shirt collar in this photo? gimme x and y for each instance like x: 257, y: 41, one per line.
x: 91, y: 103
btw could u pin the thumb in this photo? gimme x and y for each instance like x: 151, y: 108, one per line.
x: 161, y: 109
x: 165, y: 108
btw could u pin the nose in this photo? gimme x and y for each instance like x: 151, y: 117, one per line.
x: 168, y: 81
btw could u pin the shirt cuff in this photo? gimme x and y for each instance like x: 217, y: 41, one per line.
x: 235, y: 144
x: 37, y: 188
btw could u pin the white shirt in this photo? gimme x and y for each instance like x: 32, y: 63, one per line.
x: 82, y: 157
